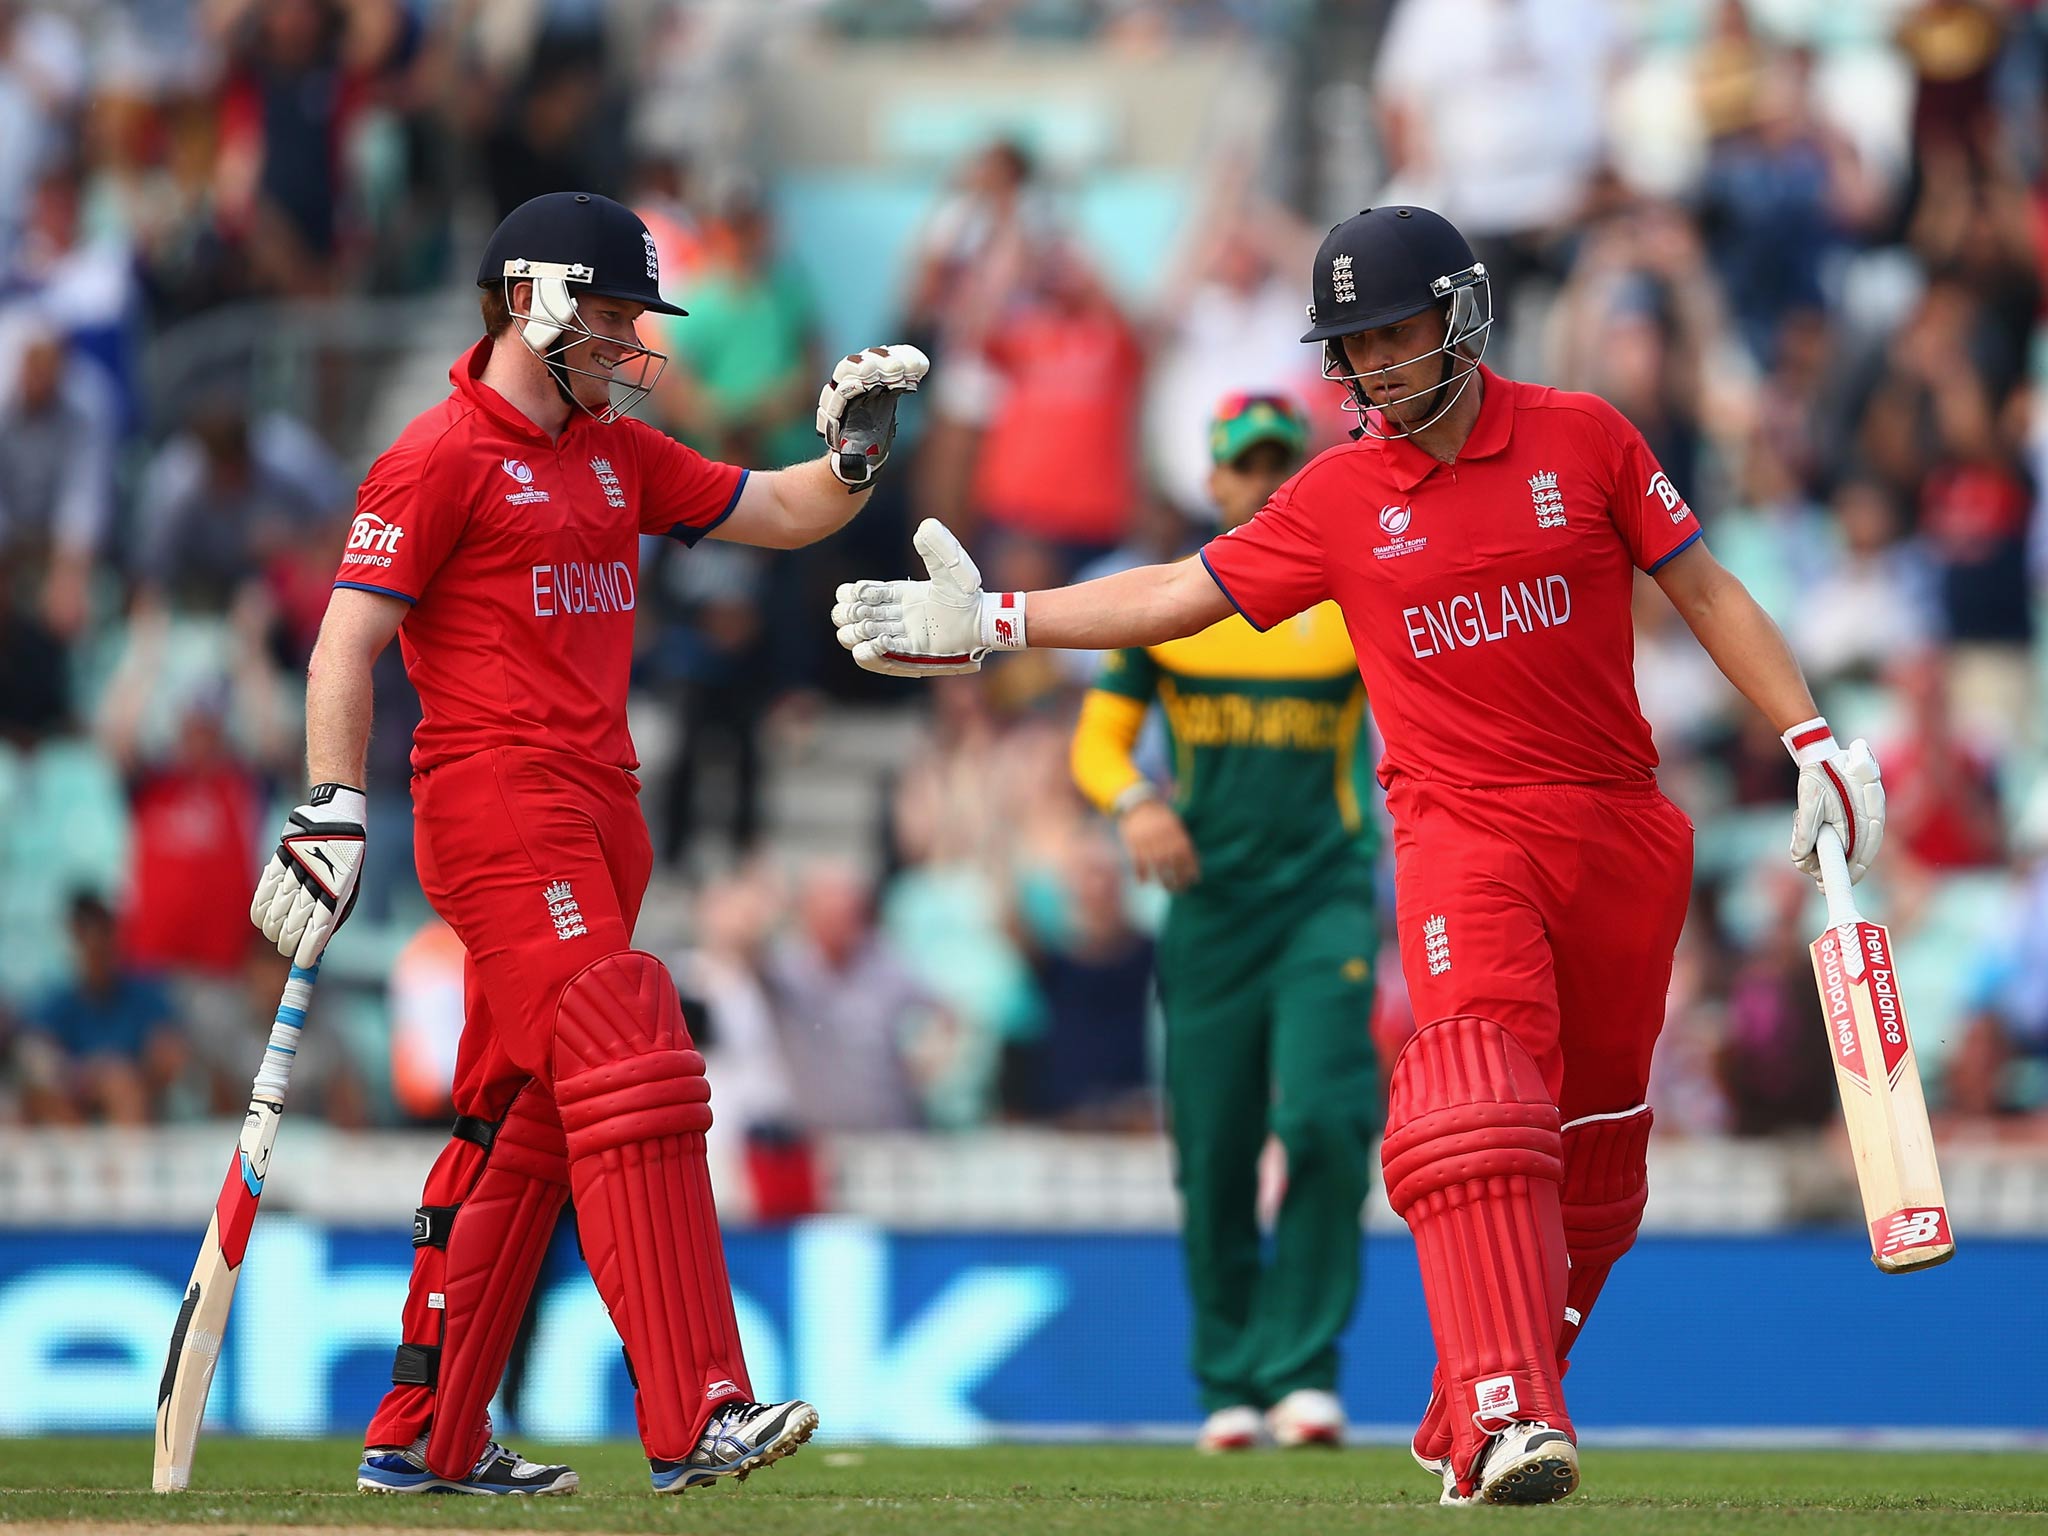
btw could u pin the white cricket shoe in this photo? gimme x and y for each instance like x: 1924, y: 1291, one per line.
x: 1439, y: 1467
x: 1235, y: 1428
x: 1306, y: 1417
x: 1528, y: 1463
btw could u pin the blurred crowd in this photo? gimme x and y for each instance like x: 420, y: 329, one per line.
x: 1810, y: 272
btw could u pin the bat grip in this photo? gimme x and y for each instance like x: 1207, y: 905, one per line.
x: 276, y: 1072
x: 1834, y: 878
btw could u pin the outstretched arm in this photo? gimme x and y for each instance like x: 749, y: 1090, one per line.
x: 1837, y: 788
x: 1148, y: 605
x: 1744, y: 642
x: 948, y: 624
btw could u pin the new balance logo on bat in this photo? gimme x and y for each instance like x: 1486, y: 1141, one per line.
x: 1914, y: 1229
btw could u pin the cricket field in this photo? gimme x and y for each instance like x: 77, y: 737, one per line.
x: 259, y: 1486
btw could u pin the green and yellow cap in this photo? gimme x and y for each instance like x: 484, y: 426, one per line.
x: 1243, y: 421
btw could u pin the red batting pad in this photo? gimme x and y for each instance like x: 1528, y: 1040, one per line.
x: 508, y: 1200
x: 1606, y: 1186
x: 1473, y: 1160
x: 635, y: 1106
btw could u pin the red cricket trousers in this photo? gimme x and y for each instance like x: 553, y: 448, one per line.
x: 538, y: 861
x: 1553, y: 910
x: 1537, y: 927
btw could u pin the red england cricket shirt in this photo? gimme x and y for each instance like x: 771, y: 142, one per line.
x: 520, y: 555
x: 1488, y: 600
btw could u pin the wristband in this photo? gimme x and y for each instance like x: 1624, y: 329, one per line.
x: 342, y: 801
x: 1002, y: 621
x: 1810, y: 742
x: 1133, y: 796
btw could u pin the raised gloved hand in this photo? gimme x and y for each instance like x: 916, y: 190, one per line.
x: 308, y: 888
x: 1839, y: 789
x: 928, y: 628
x: 857, y: 409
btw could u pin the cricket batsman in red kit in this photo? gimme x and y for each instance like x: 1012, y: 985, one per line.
x: 498, y: 538
x: 1482, y: 538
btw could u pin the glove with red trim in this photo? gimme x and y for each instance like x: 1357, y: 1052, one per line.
x: 1837, y: 789
x: 928, y: 628
x: 308, y: 888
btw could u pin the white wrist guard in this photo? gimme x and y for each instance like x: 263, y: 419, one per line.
x: 1002, y: 621
x: 1810, y: 741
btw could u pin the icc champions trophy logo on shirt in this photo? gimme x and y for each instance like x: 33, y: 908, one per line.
x: 522, y: 473
x: 1394, y: 521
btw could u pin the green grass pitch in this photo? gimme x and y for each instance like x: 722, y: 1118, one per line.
x: 259, y: 1486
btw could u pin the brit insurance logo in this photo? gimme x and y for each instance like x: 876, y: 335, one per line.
x: 1547, y: 499
x: 522, y: 475
x: 1394, y: 521
x: 1660, y: 486
x: 371, y: 540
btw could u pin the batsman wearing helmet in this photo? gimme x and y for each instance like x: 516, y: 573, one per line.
x: 1482, y: 538
x: 498, y: 539
x: 1265, y: 962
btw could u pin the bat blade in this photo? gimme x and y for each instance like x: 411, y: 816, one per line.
x: 1883, y: 1104
x: 203, y: 1316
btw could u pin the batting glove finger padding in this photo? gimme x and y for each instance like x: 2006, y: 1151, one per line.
x: 1839, y: 789
x: 857, y: 409
x: 308, y: 888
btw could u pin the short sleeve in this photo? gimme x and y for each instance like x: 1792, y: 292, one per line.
x: 1653, y: 518
x: 1271, y: 568
x: 410, y: 511
x: 1130, y: 674
x: 682, y: 493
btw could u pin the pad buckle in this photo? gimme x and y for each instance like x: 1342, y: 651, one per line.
x: 416, y: 1365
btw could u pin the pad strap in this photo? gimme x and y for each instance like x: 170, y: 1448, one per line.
x: 432, y: 1225
x: 416, y: 1365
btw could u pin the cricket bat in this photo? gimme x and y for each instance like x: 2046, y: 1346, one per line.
x: 203, y: 1318
x: 1878, y: 1077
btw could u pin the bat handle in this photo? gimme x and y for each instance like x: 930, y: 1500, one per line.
x: 276, y: 1071
x: 1834, y: 878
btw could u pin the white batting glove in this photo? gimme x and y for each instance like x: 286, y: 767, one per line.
x: 1837, y: 789
x: 857, y: 409
x: 928, y: 628
x: 308, y: 888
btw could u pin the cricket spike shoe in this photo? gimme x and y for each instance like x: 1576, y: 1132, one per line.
x: 403, y: 1469
x: 1235, y: 1428
x: 1307, y: 1417
x: 1528, y: 1463
x: 740, y: 1437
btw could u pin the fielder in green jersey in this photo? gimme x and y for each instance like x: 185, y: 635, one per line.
x: 1265, y: 963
